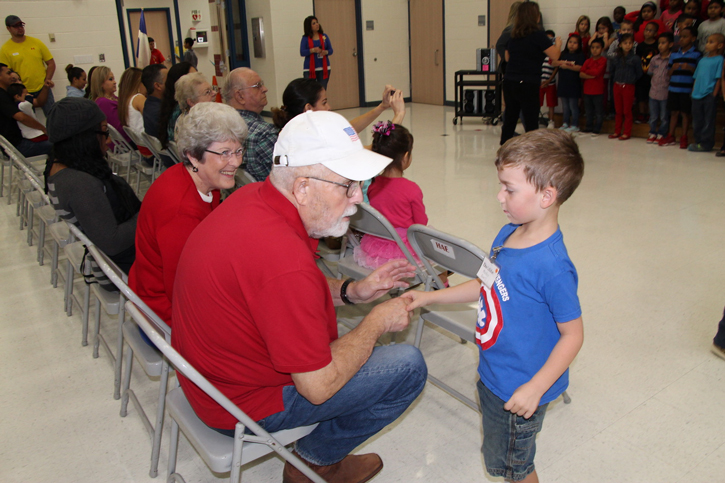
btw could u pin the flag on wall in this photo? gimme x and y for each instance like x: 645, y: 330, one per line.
x: 143, y: 52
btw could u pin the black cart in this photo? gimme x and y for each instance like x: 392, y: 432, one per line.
x: 480, y: 97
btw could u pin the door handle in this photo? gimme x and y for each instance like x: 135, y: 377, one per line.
x: 435, y: 57
x: 354, y: 52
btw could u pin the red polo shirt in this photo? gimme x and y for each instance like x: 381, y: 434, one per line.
x: 250, y: 306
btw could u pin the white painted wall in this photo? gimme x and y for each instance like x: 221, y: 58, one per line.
x: 81, y: 27
x: 463, y: 37
x: 385, y: 49
x: 283, y: 30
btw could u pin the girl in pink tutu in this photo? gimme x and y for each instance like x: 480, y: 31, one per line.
x: 398, y: 199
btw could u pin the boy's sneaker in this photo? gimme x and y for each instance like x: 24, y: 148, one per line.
x: 683, y: 142
x: 652, y: 139
x: 551, y: 125
x: 667, y: 141
x: 573, y: 129
x: 698, y: 148
x: 564, y: 127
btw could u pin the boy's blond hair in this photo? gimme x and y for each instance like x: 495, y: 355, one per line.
x: 549, y: 158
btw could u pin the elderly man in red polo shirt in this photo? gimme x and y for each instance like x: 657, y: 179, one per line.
x: 254, y: 314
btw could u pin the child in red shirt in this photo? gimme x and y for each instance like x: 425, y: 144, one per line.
x: 593, y: 74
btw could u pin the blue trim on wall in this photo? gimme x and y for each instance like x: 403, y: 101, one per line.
x: 178, y: 33
x: 232, y: 61
x: 443, y: 25
x: 121, y: 29
x: 168, y: 22
x: 360, y: 61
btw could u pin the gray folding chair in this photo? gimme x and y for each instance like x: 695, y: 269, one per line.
x: 221, y: 453
x: 368, y: 220
x: 113, y: 303
x: 122, y: 154
x: 243, y: 178
x: 154, y: 145
x: 459, y: 256
x: 148, y: 356
x: 79, y: 263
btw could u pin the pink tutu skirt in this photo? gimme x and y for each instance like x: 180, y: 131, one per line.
x: 375, y: 251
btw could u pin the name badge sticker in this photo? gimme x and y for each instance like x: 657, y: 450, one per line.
x: 441, y: 247
x: 488, y: 272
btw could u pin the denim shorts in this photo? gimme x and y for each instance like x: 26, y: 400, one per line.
x: 509, y: 441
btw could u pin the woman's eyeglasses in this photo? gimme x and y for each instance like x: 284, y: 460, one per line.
x: 226, y: 155
x: 105, y: 134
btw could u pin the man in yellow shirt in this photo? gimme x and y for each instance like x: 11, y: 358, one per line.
x: 30, y: 58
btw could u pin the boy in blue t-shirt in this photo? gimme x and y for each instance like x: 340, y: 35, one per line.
x: 679, y: 96
x: 529, y: 326
x: 707, y: 77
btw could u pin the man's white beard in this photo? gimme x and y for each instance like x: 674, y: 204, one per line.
x: 339, y: 229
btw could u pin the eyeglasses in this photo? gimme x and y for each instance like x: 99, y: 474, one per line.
x: 213, y: 90
x: 227, y: 155
x: 352, y: 187
x: 258, y: 85
x: 105, y: 134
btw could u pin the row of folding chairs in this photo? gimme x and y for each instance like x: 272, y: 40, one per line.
x: 83, y: 259
x: 438, y: 252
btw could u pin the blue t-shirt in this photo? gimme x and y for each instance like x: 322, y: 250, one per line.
x: 708, y: 71
x: 681, y: 80
x: 516, y: 328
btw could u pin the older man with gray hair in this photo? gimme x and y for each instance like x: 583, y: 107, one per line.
x: 245, y: 92
x: 253, y: 312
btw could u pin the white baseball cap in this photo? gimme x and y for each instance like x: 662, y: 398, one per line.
x: 326, y: 138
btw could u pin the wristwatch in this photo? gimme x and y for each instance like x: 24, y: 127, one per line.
x: 343, y: 292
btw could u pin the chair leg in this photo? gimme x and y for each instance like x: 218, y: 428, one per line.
x: 2, y: 179
x: 54, y: 265
x: 419, y: 332
x: 69, y: 275
x: 31, y: 219
x: 86, y: 309
x: 96, y: 339
x: 119, y: 349
x: 173, y: 449
x: 41, y: 242
x: 126, y: 382
x: 10, y: 183
x: 160, y: 407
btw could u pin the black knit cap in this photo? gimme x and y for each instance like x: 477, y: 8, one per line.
x: 71, y: 116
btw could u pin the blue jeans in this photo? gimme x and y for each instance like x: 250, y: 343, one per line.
x: 571, y: 110
x: 703, y: 120
x: 48, y: 103
x: 29, y: 149
x: 594, y: 107
x: 509, y: 441
x: 658, y: 110
x: 381, y: 391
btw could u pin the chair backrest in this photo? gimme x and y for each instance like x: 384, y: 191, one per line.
x: 20, y: 160
x: 448, y: 251
x: 78, y: 235
x: 120, y: 145
x: 370, y: 221
x: 172, y: 149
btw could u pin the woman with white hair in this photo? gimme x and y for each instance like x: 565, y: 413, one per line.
x: 211, y: 136
x: 191, y: 89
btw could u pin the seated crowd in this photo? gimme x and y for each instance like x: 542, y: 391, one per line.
x: 242, y: 273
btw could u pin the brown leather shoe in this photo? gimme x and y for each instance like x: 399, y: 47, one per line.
x: 352, y: 469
